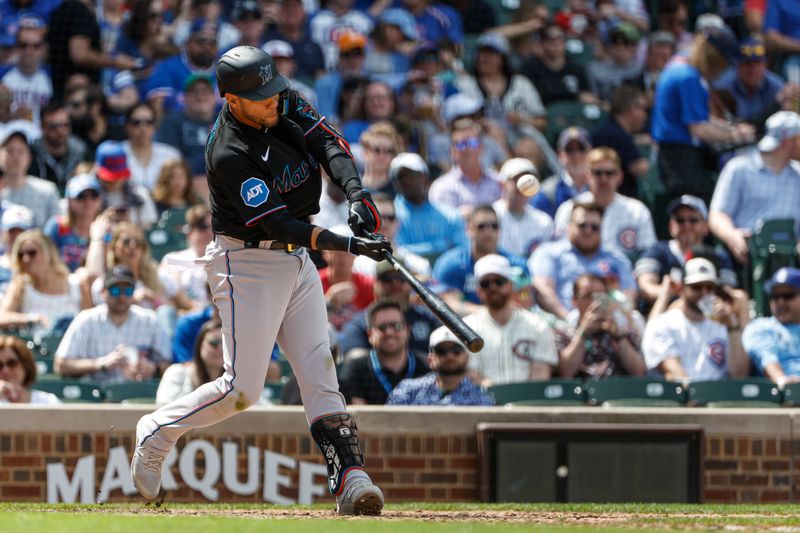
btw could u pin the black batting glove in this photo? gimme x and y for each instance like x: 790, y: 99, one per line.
x: 371, y: 246
x: 364, y: 217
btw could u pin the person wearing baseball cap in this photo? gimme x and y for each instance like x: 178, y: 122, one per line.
x: 70, y: 232
x: 699, y: 337
x: 773, y: 343
x: 688, y: 228
x: 117, y: 190
x: 283, y: 54
x: 754, y: 87
x: 352, y: 47
x: 501, y: 323
x: 573, y: 145
x: 522, y: 226
x: 447, y: 384
x: 762, y: 184
x: 681, y: 116
x: 425, y: 228
x: 247, y: 17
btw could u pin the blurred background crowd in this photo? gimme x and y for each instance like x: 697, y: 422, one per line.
x: 662, y: 240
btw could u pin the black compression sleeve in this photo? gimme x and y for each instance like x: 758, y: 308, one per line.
x: 293, y: 231
x: 344, y: 173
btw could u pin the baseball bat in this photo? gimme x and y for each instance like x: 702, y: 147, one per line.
x: 449, y: 318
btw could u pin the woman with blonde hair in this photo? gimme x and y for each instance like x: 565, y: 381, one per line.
x: 381, y: 142
x: 18, y: 374
x: 130, y: 248
x: 173, y: 189
x: 42, y: 289
x: 684, y: 123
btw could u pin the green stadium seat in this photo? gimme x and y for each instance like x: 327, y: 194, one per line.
x: 579, y: 51
x: 44, y: 366
x: 272, y: 391
x: 564, y: 114
x: 744, y: 392
x: 772, y: 246
x: 554, y: 392
x: 791, y: 394
x: 72, y: 390
x: 634, y: 392
x: 116, y: 392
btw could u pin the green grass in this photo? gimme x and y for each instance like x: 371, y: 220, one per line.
x: 398, y: 518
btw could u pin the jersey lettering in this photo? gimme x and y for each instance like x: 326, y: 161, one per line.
x: 254, y: 192
x: 289, y: 179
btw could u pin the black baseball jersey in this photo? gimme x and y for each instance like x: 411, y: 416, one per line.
x: 256, y: 175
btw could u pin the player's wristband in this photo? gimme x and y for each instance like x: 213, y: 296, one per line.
x: 314, y: 235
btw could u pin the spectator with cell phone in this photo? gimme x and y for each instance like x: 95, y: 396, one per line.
x: 599, y: 338
x: 700, y: 336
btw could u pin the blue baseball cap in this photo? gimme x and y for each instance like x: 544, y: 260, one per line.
x: 787, y: 276
x: 402, y: 19
x: 687, y: 200
x: 606, y: 269
x: 753, y: 49
x: 112, y: 163
x: 203, y: 25
x: 724, y: 41
x: 80, y: 183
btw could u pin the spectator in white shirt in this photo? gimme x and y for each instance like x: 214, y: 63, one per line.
x: 700, y: 337
x: 627, y: 223
x: 145, y: 155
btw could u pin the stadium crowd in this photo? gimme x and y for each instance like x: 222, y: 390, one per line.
x: 665, y: 135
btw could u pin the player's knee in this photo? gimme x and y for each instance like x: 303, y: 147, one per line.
x: 245, y: 395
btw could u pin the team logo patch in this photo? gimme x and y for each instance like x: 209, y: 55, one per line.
x: 254, y: 192
x: 524, y: 349
x: 265, y: 73
x: 716, y: 353
x: 627, y: 238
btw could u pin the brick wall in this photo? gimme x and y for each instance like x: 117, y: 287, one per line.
x: 415, y: 455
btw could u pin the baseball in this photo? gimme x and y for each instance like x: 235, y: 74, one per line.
x: 528, y: 185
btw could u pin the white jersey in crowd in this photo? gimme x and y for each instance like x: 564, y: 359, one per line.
x: 522, y: 234
x: 38, y: 195
x: 510, y: 350
x: 146, y: 175
x: 38, y: 397
x: 191, y: 280
x: 416, y: 264
x: 92, y: 335
x: 326, y: 26
x: 701, y: 347
x: 627, y: 223
x: 55, y: 306
x: 30, y: 92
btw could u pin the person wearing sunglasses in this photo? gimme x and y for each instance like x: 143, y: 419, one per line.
x: 453, y: 271
x: 206, y: 365
x: 700, y: 336
x: 573, y: 146
x: 70, y: 232
x: 448, y: 382
x: 370, y: 379
x: 18, y: 375
x: 29, y: 81
x: 627, y: 223
x: 115, y: 341
x: 468, y: 183
x: 688, y: 228
x: 518, y: 344
x: 57, y: 153
x: 773, y: 343
x: 555, y: 266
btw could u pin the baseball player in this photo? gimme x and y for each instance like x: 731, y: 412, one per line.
x: 264, y: 156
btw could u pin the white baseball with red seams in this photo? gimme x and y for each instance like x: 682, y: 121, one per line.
x: 528, y: 185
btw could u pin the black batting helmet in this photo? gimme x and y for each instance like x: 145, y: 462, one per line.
x: 249, y: 72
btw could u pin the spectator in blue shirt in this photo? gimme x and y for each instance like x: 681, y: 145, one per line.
x: 682, y: 124
x: 447, y: 383
x: 782, y: 27
x: 555, y: 266
x: 573, y: 147
x: 426, y: 229
x: 773, y: 343
x: 753, y: 87
x: 453, y: 272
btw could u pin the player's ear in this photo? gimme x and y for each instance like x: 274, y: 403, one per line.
x: 233, y: 100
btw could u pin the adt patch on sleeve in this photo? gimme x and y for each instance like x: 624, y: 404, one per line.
x: 254, y: 192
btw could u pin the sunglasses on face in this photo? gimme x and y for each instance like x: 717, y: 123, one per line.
x: 689, y: 220
x: 130, y: 242
x: 603, y: 172
x: 27, y: 253
x: 703, y: 287
x: 583, y: 226
x: 575, y: 149
x: 11, y: 364
x: 386, y: 326
x: 136, y: 122
x: 32, y: 46
x: 455, y: 349
x: 202, y: 226
x: 487, y: 283
x: 785, y: 296
x: 487, y: 225
x: 115, y: 291
x: 88, y: 195
x: 57, y: 125
x: 358, y: 52
x: 389, y: 217
x: 473, y: 143
x: 392, y: 278
x: 383, y: 150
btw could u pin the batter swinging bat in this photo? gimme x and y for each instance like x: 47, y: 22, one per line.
x: 449, y: 318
